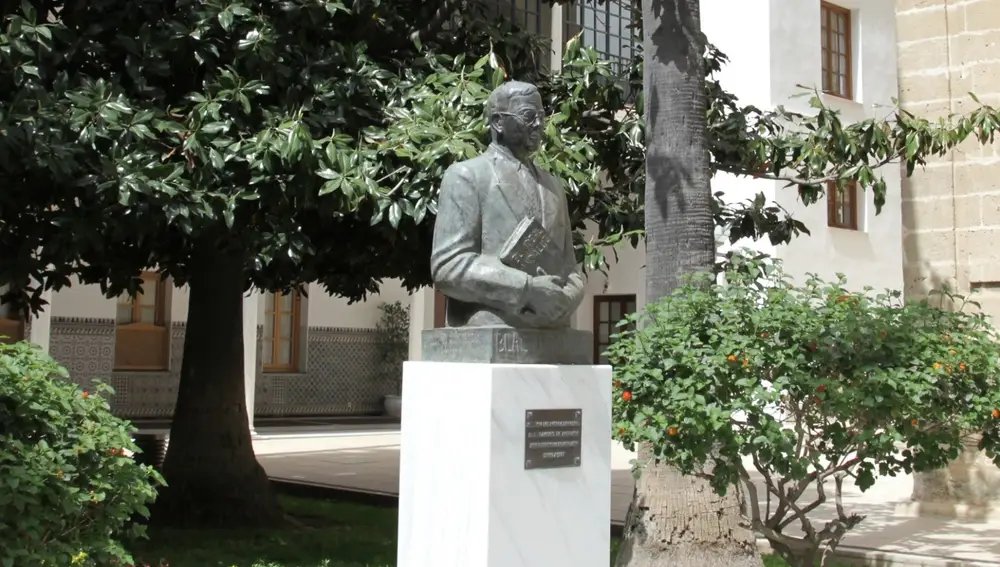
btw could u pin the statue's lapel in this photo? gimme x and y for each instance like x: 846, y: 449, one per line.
x: 551, y: 203
x: 513, y: 191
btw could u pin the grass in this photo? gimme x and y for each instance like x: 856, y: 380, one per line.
x: 336, y: 534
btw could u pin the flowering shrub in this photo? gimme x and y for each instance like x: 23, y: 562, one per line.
x: 68, y: 490
x: 784, y: 391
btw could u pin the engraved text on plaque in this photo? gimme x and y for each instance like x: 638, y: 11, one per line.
x: 552, y: 438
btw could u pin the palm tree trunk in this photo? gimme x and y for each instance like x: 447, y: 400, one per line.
x: 676, y: 520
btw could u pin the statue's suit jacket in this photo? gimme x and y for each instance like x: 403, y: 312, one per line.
x: 481, y: 202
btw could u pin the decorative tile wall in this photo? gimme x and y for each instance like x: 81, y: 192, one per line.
x: 341, y: 375
x: 85, y: 347
x: 150, y: 394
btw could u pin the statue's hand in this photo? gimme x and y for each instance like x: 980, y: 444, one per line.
x: 573, y: 289
x: 547, y: 297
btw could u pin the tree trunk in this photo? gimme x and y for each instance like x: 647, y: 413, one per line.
x: 212, y: 474
x: 676, y: 520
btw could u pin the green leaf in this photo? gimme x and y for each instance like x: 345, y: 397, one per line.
x: 395, y: 214
x: 218, y: 163
x: 498, y: 77
x: 226, y: 19
x: 14, y: 25
x: 119, y: 107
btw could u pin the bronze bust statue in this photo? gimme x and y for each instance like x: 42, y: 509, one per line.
x: 503, y: 245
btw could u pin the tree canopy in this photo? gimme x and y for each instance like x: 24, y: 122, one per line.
x: 309, y: 134
x: 313, y: 134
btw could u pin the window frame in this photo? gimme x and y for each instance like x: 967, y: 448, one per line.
x: 622, y: 299
x: 835, y: 204
x: 12, y: 324
x: 159, y: 305
x: 827, y: 53
x: 156, y: 333
x: 520, y: 16
x: 574, y: 23
x: 294, y: 337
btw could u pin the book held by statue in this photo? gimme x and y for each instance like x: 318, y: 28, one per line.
x: 528, y: 247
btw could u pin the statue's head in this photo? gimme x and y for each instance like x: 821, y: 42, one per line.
x: 516, y: 116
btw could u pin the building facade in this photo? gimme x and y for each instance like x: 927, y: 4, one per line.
x: 951, y: 207
x: 317, y: 355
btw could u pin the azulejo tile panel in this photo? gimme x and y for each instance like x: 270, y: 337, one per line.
x: 341, y: 377
x: 85, y: 347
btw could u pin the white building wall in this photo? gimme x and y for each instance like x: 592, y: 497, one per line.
x: 328, y: 311
x: 625, y: 276
x: 873, y: 254
x: 726, y: 25
x: 82, y: 301
x: 178, y: 298
x: 767, y: 74
x: 85, y: 301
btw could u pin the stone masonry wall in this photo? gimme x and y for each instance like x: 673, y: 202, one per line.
x: 951, y: 210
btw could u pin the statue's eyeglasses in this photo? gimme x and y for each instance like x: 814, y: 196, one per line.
x: 527, y: 117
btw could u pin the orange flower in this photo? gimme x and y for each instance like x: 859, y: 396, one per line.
x: 621, y: 431
x: 913, y: 422
x: 86, y: 394
x: 671, y: 431
x: 746, y: 362
x: 627, y: 396
x: 731, y: 358
x: 962, y: 366
x: 842, y: 298
x: 59, y: 474
x: 937, y: 366
x: 953, y: 351
x: 996, y: 413
x: 763, y: 335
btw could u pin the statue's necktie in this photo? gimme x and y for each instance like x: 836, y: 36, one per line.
x: 532, y: 191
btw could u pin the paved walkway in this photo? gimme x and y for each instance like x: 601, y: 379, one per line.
x: 370, y: 462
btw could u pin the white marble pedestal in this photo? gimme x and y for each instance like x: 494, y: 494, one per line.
x: 467, y: 498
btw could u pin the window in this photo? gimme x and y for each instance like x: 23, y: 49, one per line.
x: 141, y: 334
x: 835, y: 26
x: 282, y: 314
x: 531, y: 15
x: 842, y: 205
x: 605, y: 27
x: 608, y: 311
x: 11, y: 325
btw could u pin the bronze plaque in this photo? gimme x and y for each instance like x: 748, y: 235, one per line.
x: 552, y: 438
